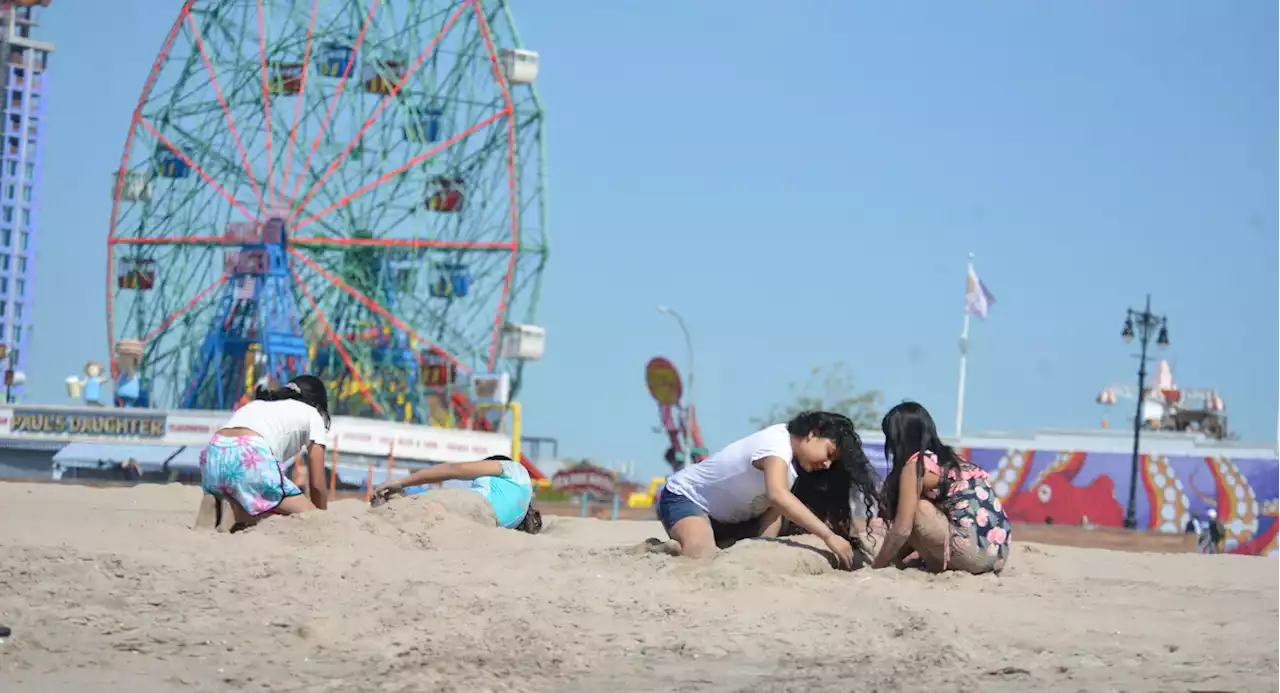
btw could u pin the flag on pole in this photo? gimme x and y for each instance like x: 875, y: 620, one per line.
x: 977, y: 299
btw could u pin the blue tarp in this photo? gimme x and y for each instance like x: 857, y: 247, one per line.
x: 93, y: 455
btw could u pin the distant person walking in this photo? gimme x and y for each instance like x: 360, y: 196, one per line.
x: 1217, y: 532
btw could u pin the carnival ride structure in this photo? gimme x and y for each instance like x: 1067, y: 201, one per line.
x: 1166, y: 407
x: 679, y: 421
x: 351, y: 189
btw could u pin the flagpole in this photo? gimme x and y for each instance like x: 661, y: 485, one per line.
x: 964, y: 359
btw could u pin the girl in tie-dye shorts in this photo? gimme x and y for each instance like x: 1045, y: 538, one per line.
x: 243, y: 469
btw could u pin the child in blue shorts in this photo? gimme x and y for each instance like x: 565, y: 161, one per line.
x: 503, y: 482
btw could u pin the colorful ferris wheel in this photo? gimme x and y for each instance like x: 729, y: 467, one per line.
x: 352, y: 189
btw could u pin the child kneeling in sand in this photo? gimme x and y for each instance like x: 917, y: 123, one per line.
x: 501, y: 481
x: 936, y: 503
x: 244, y: 463
x: 745, y: 489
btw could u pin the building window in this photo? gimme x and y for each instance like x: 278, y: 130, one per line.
x: 8, y: 213
x: 4, y: 263
x: 13, y: 168
x: 22, y: 264
x: 8, y: 192
x: 31, y: 169
x: 21, y: 285
x: 26, y: 218
x: 6, y: 237
x: 4, y: 285
x: 17, y: 311
x: 2, y: 308
x: 17, y: 333
x: 25, y: 237
x: 26, y: 193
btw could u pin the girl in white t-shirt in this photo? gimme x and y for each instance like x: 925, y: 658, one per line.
x: 746, y: 488
x: 245, y: 461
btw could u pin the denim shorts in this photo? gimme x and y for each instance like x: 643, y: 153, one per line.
x: 673, y: 507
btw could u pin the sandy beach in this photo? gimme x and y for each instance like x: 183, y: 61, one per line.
x: 109, y: 590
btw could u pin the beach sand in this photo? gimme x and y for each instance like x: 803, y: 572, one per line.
x: 109, y: 590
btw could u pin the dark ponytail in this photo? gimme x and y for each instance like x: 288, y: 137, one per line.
x: 532, y: 522
x: 830, y: 493
x: 307, y: 389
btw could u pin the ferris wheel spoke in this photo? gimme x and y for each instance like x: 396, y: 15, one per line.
x: 226, y: 110
x: 446, y: 333
x: 199, y: 171
x: 334, y: 339
x: 412, y: 243
x: 332, y: 199
x: 173, y: 317
x: 333, y: 103
x: 375, y: 307
x: 266, y: 101
x: 391, y: 95
x: 302, y: 93
x: 398, y: 170
x: 179, y: 240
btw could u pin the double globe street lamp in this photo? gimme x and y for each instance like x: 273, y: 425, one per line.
x: 1142, y: 324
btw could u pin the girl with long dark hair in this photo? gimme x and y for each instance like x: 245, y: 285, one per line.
x: 245, y: 460
x: 745, y: 489
x: 935, y: 502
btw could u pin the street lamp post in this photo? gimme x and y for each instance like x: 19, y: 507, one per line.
x: 688, y: 345
x: 1144, y: 323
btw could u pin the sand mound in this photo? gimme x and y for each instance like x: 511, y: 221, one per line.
x: 794, y: 556
x: 109, y: 590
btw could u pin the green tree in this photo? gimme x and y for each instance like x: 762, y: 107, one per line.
x: 827, y: 389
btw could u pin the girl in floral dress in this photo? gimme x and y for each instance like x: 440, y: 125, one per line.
x: 936, y: 504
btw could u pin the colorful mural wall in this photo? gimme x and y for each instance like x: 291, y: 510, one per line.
x: 1070, y: 487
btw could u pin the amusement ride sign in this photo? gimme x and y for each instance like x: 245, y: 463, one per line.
x: 664, y: 381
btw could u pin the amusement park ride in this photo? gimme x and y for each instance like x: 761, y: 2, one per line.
x: 355, y: 191
x: 1165, y: 407
x: 679, y: 422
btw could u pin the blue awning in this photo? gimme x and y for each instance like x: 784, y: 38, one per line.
x: 94, y: 455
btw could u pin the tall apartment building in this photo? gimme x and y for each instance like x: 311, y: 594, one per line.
x: 22, y: 92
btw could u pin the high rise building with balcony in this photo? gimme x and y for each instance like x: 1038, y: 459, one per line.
x: 22, y: 91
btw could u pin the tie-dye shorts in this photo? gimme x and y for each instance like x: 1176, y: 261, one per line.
x: 244, y: 469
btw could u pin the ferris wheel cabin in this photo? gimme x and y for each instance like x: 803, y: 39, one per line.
x: 170, y: 164
x: 336, y: 59
x: 519, y: 65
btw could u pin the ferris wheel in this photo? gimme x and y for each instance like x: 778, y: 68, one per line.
x: 351, y: 189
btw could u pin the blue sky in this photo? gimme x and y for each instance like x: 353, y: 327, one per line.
x: 803, y: 186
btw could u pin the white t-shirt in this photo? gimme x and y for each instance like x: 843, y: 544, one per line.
x: 727, y: 485
x: 287, y: 425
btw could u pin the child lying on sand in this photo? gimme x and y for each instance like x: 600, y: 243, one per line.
x: 243, y: 463
x: 503, y: 482
x: 745, y: 489
x: 935, y: 503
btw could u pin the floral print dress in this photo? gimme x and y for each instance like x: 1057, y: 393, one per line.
x: 965, y: 496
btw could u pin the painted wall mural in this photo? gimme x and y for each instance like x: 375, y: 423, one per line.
x: 1070, y: 487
